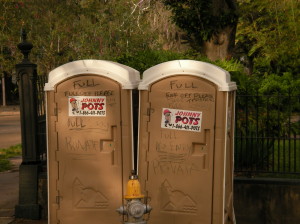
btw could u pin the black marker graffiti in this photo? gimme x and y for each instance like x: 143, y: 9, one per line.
x: 80, y: 84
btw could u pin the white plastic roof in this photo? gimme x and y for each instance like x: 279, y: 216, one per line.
x: 128, y: 77
x: 204, y: 70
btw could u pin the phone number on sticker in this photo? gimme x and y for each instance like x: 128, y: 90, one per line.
x: 184, y: 127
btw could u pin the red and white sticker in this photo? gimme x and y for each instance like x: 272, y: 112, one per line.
x: 87, y: 105
x: 184, y: 120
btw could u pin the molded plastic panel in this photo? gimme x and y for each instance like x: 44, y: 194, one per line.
x: 177, y: 149
x: 127, y: 77
x: 89, y: 151
x: 207, y: 71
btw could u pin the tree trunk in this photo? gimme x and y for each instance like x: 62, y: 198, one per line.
x: 221, y: 45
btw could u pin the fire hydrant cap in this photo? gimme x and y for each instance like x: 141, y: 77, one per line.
x: 133, y: 189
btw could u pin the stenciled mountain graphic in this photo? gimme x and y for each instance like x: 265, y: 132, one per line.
x: 87, y: 197
x: 175, y: 200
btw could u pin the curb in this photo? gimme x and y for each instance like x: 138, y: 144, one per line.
x: 9, y: 113
x: 9, y: 110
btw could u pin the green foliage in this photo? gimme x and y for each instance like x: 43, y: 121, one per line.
x: 143, y: 60
x: 202, y: 19
x: 9, y: 19
x: 285, y: 84
x: 11, y: 151
x: 277, y: 160
x: 7, y: 153
x: 4, y: 165
x: 63, y: 31
x: 88, y: 29
x: 265, y: 108
x: 268, y: 34
x: 231, y: 65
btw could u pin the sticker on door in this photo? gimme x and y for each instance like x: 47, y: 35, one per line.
x: 87, y: 105
x: 183, y: 120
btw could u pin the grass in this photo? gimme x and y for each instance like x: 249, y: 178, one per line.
x: 285, y: 159
x: 6, y: 154
x: 280, y: 160
x: 286, y: 156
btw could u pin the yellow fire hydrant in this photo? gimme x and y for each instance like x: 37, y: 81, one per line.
x: 134, y: 209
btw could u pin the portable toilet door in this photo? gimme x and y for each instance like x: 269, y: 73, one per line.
x: 89, y: 134
x: 186, y: 142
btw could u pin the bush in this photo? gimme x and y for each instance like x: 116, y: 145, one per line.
x: 7, y: 153
x: 4, y: 164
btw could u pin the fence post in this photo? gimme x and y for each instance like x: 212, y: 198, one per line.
x: 28, y: 206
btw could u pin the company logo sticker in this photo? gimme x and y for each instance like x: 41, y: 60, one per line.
x: 87, y: 105
x: 184, y: 120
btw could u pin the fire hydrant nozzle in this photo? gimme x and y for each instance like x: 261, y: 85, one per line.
x: 134, y: 209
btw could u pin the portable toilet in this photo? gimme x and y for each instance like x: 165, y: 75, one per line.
x: 186, y: 137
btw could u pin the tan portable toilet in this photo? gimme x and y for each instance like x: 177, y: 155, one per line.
x: 186, y: 142
x: 90, y: 141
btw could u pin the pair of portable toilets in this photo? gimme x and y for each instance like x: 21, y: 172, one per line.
x: 185, y: 142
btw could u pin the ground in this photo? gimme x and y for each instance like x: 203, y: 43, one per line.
x: 10, y: 134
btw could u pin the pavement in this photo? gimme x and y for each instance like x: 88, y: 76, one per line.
x: 10, y: 134
x: 9, y: 192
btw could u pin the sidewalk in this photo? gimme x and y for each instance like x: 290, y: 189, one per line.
x: 10, y: 134
x: 9, y: 191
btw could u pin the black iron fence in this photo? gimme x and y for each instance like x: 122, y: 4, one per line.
x: 267, y: 135
x: 41, y: 104
x: 267, y: 132
x: 41, y: 112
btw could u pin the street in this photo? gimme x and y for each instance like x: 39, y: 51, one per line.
x: 10, y: 130
x: 10, y: 134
